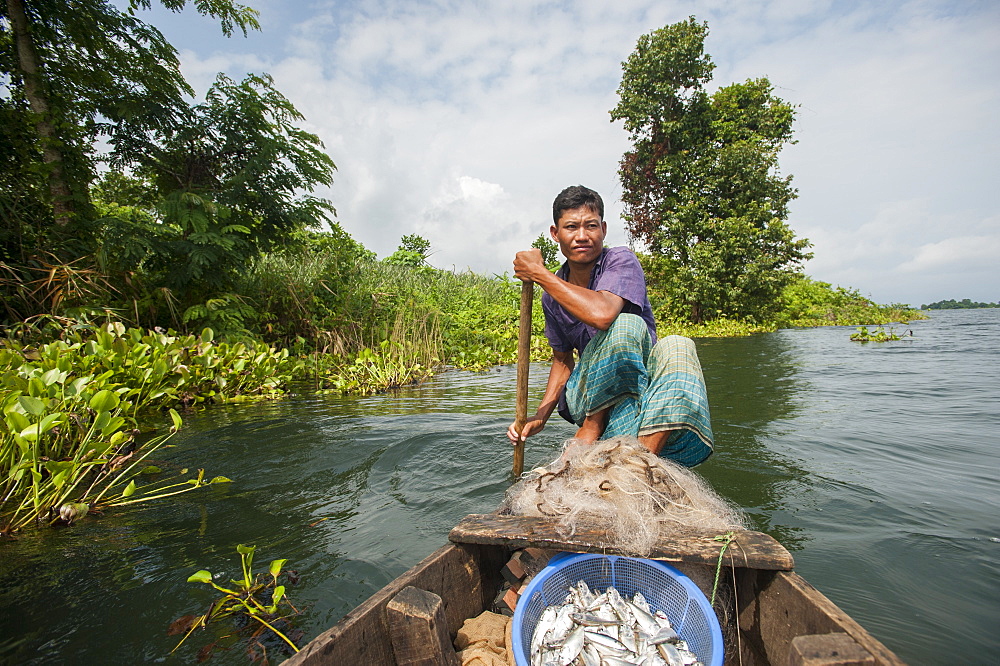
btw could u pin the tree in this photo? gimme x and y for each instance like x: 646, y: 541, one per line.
x: 549, y: 250
x: 76, y: 71
x: 413, y: 251
x: 228, y: 185
x: 196, y: 191
x: 701, y: 186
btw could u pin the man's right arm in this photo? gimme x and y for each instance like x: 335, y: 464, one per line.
x: 562, y: 368
x: 594, y: 308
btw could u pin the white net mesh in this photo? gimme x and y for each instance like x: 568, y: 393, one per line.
x: 617, y: 484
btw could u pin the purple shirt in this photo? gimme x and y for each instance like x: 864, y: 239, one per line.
x: 617, y: 271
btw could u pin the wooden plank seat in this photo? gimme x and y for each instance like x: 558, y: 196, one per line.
x: 750, y: 550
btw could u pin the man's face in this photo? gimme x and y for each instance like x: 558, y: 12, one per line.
x: 580, y: 233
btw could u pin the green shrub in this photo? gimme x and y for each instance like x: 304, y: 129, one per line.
x: 808, y: 302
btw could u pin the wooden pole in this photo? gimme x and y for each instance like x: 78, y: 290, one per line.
x: 523, y: 358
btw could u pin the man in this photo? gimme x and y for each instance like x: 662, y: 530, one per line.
x: 625, y: 382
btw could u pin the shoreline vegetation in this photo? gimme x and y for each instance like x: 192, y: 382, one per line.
x: 81, y: 388
x: 964, y: 304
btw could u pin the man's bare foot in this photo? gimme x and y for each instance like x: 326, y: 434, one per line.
x: 655, y: 441
x: 593, y: 426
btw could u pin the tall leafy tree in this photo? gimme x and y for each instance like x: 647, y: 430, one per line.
x: 413, y: 251
x: 74, y: 71
x: 701, y: 185
x: 549, y: 250
x: 231, y: 181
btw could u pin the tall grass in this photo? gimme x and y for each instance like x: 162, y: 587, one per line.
x: 338, y: 309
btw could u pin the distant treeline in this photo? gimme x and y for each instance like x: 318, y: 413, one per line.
x: 963, y: 304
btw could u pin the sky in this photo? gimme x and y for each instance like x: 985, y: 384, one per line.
x: 461, y: 120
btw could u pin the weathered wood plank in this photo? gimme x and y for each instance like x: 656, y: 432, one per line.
x: 835, y: 649
x: 418, y: 629
x: 465, y: 577
x: 753, y: 550
x: 781, y: 605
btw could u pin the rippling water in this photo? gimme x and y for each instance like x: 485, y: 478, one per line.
x: 876, y: 464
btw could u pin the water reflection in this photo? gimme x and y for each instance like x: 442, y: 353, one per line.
x: 753, y: 384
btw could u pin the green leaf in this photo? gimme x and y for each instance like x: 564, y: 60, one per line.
x: 32, y: 405
x: 176, y: 418
x: 59, y: 471
x: 36, y: 430
x: 275, y: 567
x: 112, y: 426
x: 129, y: 489
x: 245, y: 550
x: 53, y: 376
x: 102, y: 420
x: 150, y: 469
x: 30, y: 433
x: 220, y: 479
x: 202, y: 576
x: 279, y: 592
x: 50, y: 421
x: 101, y: 449
x: 207, y: 335
x: 104, y: 400
x: 17, y: 421
x: 76, y: 386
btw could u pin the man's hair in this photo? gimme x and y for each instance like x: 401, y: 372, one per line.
x: 577, y: 196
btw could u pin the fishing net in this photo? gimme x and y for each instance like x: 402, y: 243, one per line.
x: 617, y: 484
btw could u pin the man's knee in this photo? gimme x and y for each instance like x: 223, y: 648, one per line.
x: 674, y: 347
x: 627, y: 332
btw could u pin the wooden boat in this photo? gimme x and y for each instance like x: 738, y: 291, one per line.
x: 774, y: 615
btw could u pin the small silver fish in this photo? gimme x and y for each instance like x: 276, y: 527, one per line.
x: 640, y: 601
x: 592, y: 620
x: 670, y: 654
x: 542, y: 627
x: 646, y: 621
x: 615, y: 661
x: 561, y: 626
x: 606, y: 629
x: 572, y: 646
x: 598, y: 601
x: 664, y: 635
x: 590, y: 655
x: 604, y: 643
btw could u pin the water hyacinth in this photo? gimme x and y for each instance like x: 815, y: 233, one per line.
x: 68, y: 432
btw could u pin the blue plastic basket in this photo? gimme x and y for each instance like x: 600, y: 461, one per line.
x: 664, y: 587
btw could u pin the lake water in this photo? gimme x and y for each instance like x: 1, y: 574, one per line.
x: 877, y: 465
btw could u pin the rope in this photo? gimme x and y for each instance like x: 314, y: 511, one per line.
x: 727, y: 539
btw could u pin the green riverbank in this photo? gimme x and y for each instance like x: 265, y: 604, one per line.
x: 78, y: 409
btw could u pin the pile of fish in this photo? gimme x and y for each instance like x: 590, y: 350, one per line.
x: 590, y: 629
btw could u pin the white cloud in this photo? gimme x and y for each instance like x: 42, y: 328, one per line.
x: 961, y: 253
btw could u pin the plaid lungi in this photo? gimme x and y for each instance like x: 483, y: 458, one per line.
x: 649, y: 388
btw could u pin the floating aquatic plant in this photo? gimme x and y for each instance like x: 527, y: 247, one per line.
x: 70, y: 437
x: 257, y: 605
x: 877, y: 335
